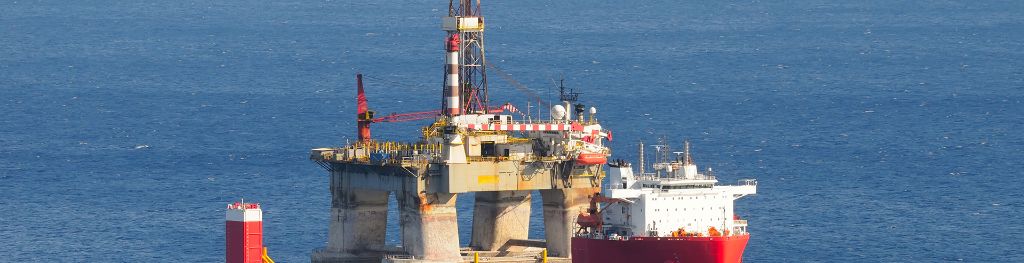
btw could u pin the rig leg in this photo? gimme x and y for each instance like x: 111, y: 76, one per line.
x: 499, y: 217
x: 561, y: 206
x: 357, y: 227
x: 430, y: 231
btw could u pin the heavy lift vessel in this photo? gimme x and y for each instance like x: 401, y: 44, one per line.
x: 470, y: 147
x: 675, y: 214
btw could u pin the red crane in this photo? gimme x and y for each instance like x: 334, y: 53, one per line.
x: 591, y: 220
x: 364, y: 116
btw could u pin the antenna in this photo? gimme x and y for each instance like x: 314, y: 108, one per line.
x: 663, y: 149
x: 687, y: 160
x: 570, y: 96
x: 678, y: 156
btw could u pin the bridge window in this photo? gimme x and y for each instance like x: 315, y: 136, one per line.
x: 487, y: 149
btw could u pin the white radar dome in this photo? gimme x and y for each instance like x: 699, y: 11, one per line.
x: 593, y: 110
x: 558, y: 112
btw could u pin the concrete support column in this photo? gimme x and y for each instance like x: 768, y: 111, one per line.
x: 430, y: 230
x: 358, y: 221
x: 499, y: 217
x: 561, y: 206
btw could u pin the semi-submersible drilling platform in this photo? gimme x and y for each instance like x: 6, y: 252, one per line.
x: 470, y: 147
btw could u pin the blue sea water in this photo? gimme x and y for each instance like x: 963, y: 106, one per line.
x: 880, y: 131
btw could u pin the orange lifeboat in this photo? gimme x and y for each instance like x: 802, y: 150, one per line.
x: 591, y: 158
x: 714, y: 232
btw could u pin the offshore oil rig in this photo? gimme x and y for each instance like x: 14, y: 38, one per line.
x: 470, y: 147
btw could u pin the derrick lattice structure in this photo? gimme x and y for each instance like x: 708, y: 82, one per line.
x: 465, y: 23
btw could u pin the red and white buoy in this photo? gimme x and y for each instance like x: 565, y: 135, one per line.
x: 452, y: 78
x: 244, y: 233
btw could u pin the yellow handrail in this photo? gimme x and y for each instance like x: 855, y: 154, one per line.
x: 266, y: 258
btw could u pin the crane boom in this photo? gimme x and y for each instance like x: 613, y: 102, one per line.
x: 365, y: 116
x: 591, y: 220
x: 408, y: 116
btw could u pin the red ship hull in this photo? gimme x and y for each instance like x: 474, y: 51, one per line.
x: 660, y: 249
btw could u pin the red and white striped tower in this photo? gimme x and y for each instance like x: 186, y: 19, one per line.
x: 244, y: 233
x: 452, y: 99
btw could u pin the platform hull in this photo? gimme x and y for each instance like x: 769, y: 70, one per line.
x: 660, y: 250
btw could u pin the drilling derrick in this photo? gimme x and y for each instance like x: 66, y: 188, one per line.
x: 469, y: 148
x: 464, y: 27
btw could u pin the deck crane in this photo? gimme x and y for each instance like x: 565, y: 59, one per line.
x: 591, y: 221
x: 365, y: 116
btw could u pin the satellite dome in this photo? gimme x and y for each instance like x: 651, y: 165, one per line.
x: 558, y: 112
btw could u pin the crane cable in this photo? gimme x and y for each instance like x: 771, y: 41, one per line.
x: 519, y: 86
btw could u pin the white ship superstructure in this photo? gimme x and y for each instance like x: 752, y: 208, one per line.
x: 674, y: 201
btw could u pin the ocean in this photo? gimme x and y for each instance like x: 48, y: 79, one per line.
x: 879, y: 131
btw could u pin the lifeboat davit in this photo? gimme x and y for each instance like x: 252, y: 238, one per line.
x: 591, y: 158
